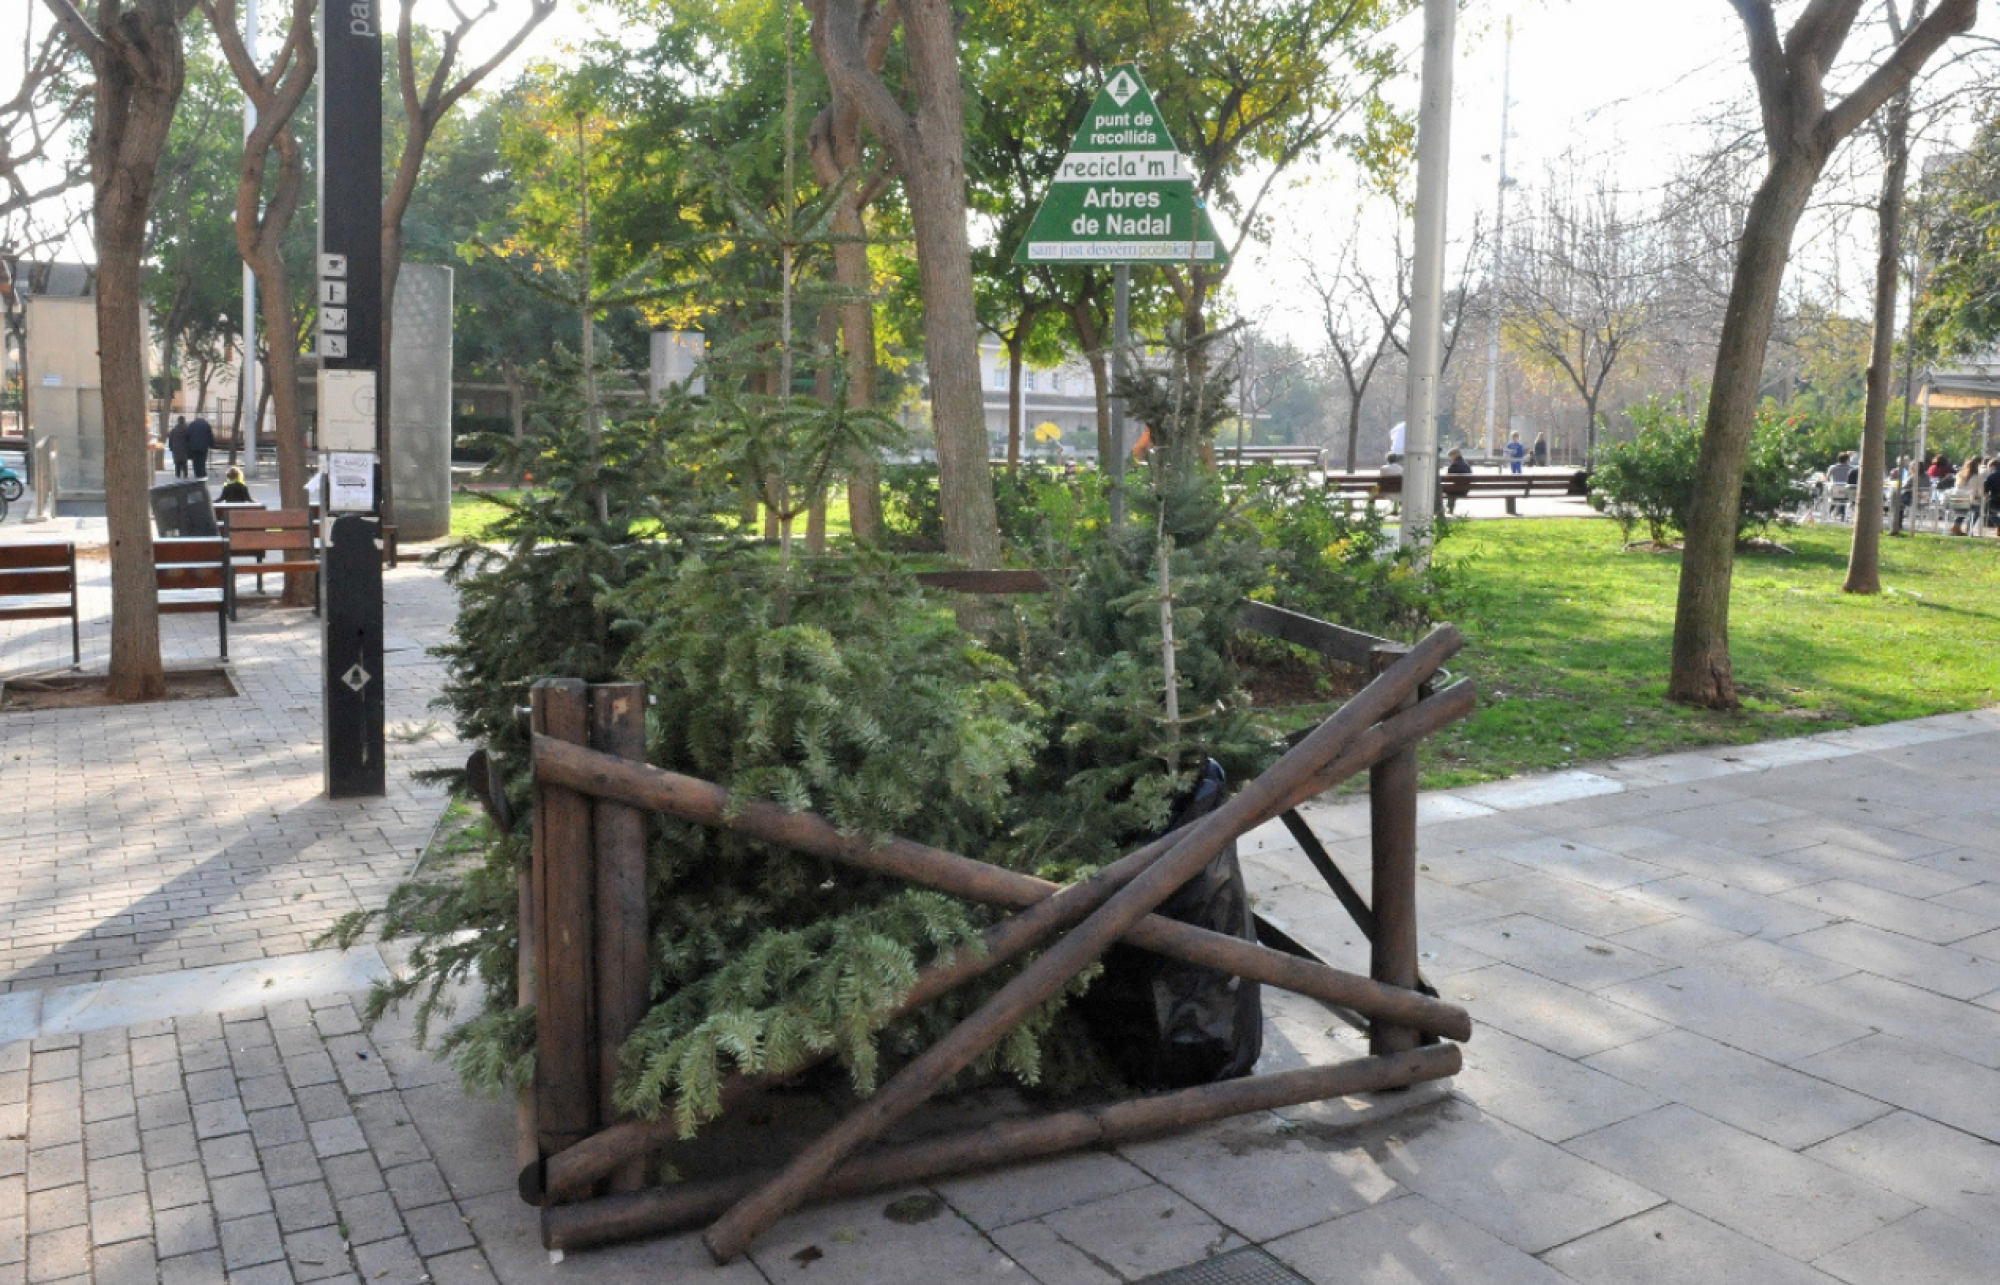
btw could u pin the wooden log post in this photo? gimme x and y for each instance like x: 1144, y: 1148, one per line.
x: 528, y: 1156
x: 1392, y: 815
x: 571, y: 1173
x: 565, y: 998
x: 1081, y: 947
x: 666, y: 1209
x: 618, y: 727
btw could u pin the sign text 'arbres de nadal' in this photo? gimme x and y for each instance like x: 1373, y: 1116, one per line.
x: 1123, y: 194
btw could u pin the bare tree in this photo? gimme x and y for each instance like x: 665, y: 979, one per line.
x: 1359, y: 327
x: 925, y: 137
x: 424, y: 108
x: 1800, y: 132
x: 35, y: 123
x: 262, y: 220
x: 134, y: 51
x: 1579, y: 291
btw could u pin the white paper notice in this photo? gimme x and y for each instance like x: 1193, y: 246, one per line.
x: 350, y: 482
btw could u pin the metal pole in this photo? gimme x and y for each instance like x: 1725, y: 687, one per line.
x: 247, y: 413
x: 350, y: 258
x: 1427, y: 277
x: 1499, y: 248
x: 1121, y: 339
x: 1924, y: 424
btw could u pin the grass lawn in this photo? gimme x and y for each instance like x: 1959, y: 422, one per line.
x: 1569, y: 641
x: 472, y: 512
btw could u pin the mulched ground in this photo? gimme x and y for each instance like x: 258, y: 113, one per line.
x: 87, y: 691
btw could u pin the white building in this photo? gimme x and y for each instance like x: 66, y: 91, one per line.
x: 1062, y: 395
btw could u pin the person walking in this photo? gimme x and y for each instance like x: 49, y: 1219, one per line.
x: 1540, y: 451
x: 1515, y: 452
x: 177, y: 445
x: 200, y: 441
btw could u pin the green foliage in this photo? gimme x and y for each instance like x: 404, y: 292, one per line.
x: 844, y: 693
x: 1114, y: 762
x: 1959, y: 313
x: 912, y: 513
x: 1337, y: 561
x: 1650, y: 479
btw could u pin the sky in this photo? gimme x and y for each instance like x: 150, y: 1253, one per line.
x: 1628, y: 84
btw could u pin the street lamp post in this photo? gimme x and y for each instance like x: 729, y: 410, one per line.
x: 1420, y: 447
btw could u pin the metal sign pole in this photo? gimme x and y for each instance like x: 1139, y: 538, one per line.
x: 1121, y: 339
x: 350, y: 348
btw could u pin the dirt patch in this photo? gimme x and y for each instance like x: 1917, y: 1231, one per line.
x: 1294, y: 678
x: 89, y: 691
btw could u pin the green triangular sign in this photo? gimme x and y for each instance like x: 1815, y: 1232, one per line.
x: 1123, y: 194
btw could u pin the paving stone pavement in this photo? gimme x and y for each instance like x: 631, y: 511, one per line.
x: 1738, y: 1018
x: 161, y: 837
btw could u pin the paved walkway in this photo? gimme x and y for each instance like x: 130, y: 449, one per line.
x: 1738, y: 1018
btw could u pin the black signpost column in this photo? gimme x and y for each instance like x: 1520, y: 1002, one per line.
x: 350, y: 346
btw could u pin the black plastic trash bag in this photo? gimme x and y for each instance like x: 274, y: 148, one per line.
x: 1167, y: 1024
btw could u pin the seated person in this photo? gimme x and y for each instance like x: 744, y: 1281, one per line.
x: 235, y: 490
x: 1458, y: 465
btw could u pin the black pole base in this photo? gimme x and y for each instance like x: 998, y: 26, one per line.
x: 352, y: 652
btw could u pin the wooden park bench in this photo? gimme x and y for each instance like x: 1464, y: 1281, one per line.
x: 263, y: 542
x: 1510, y: 487
x: 390, y: 557
x: 192, y: 578
x: 1305, y: 457
x: 38, y: 582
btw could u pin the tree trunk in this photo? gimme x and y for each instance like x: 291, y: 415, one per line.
x: 1864, y: 559
x: 259, y: 239
x: 1014, y: 345
x: 928, y: 147
x: 835, y: 151
x: 1354, y: 427
x: 140, y: 69
x: 1090, y: 338
x: 935, y: 187
x: 1701, y: 669
x: 517, y: 397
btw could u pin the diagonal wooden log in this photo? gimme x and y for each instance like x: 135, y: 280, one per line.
x: 1082, y: 946
x: 571, y: 1173
x: 666, y: 1209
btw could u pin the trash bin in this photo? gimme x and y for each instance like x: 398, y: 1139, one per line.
x: 183, y: 509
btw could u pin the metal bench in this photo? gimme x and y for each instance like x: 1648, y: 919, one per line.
x: 38, y: 582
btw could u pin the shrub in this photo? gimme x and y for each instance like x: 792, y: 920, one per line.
x: 1338, y: 562
x: 1650, y: 480
x: 912, y: 516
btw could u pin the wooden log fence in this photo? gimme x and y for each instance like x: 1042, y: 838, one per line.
x: 584, y: 964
